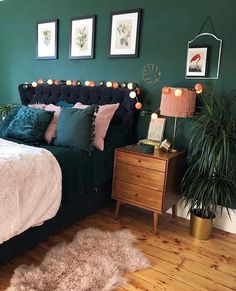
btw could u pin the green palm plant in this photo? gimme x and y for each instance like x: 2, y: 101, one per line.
x: 210, y: 179
x: 5, y: 109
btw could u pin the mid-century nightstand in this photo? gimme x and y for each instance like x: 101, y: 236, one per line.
x: 149, y: 181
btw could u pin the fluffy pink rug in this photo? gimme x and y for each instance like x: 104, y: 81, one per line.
x: 94, y: 260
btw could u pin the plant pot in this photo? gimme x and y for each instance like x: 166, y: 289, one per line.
x: 200, y: 227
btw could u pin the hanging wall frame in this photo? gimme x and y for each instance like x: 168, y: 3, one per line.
x: 204, y: 55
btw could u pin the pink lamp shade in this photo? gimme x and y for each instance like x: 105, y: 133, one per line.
x: 178, y: 102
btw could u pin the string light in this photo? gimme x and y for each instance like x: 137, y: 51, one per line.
x: 154, y: 115
x: 132, y: 94
x: 178, y: 92
x: 198, y: 88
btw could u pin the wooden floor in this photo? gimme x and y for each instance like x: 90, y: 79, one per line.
x: 179, y: 262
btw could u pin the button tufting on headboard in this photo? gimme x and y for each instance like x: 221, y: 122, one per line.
x: 100, y: 95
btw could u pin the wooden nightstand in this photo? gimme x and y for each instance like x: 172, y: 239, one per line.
x: 149, y: 181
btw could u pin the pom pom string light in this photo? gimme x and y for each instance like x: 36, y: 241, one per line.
x: 115, y: 85
x: 109, y: 84
x: 198, y: 88
x: 134, y: 89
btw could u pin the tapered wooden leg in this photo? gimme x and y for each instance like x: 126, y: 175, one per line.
x: 117, y: 209
x: 174, y: 211
x: 155, y: 221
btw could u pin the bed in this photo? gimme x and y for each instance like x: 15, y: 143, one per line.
x: 86, y: 177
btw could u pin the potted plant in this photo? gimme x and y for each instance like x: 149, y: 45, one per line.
x: 210, y: 179
x: 5, y: 109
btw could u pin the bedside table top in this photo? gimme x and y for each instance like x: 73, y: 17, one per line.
x: 158, y: 154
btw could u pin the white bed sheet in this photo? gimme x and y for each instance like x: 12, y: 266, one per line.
x: 30, y: 187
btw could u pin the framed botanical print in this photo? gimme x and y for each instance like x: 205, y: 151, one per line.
x: 196, y: 65
x: 46, y: 40
x: 82, y: 37
x: 124, y: 37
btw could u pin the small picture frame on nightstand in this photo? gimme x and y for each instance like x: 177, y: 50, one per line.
x: 156, y: 129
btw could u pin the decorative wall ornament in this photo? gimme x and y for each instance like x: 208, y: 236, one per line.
x: 46, y: 46
x: 211, y: 60
x: 151, y: 73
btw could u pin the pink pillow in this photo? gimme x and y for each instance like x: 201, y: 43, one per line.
x: 102, y: 121
x: 52, y: 128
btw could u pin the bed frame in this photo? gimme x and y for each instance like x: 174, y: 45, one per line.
x: 99, y: 196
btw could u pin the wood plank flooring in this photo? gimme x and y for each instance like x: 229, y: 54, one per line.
x: 179, y: 262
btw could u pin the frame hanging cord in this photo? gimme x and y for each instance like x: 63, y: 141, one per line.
x: 208, y: 19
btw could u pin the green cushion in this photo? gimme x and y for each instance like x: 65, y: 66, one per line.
x: 6, y: 122
x: 29, y: 124
x: 75, y: 128
x: 64, y: 104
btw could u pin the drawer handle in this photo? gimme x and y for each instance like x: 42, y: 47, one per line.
x: 139, y: 161
x: 136, y: 194
x: 138, y: 176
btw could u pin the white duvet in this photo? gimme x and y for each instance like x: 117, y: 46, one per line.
x: 30, y: 187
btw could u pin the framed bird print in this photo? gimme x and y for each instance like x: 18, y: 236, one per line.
x: 196, y: 65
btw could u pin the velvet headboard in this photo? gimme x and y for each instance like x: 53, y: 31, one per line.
x: 47, y: 94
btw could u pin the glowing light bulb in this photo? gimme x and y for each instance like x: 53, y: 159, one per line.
x: 68, y: 83
x: 87, y: 83
x: 130, y: 86
x: 50, y: 81
x: 132, y: 94
x: 154, y: 115
x: 34, y: 84
x: 178, y: 92
x: 109, y: 84
x: 199, y: 88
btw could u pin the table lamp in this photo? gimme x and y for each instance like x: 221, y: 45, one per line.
x: 177, y: 103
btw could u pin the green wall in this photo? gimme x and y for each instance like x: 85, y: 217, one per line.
x: 166, y: 26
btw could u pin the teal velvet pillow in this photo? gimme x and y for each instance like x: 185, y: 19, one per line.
x: 6, y: 122
x: 64, y: 104
x: 29, y: 124
x: 75, y: 128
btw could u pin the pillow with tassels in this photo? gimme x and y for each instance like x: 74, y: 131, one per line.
x: 76, y: 128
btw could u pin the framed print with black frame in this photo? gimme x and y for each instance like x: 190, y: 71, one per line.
x: 82, y: 37
x: 46, y: 39
x: 124, y: 36
x: 196, y: 65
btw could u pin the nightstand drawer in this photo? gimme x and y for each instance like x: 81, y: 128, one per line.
x: 140, y: 176
x: 138, y: 194
x: 141, y: 161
